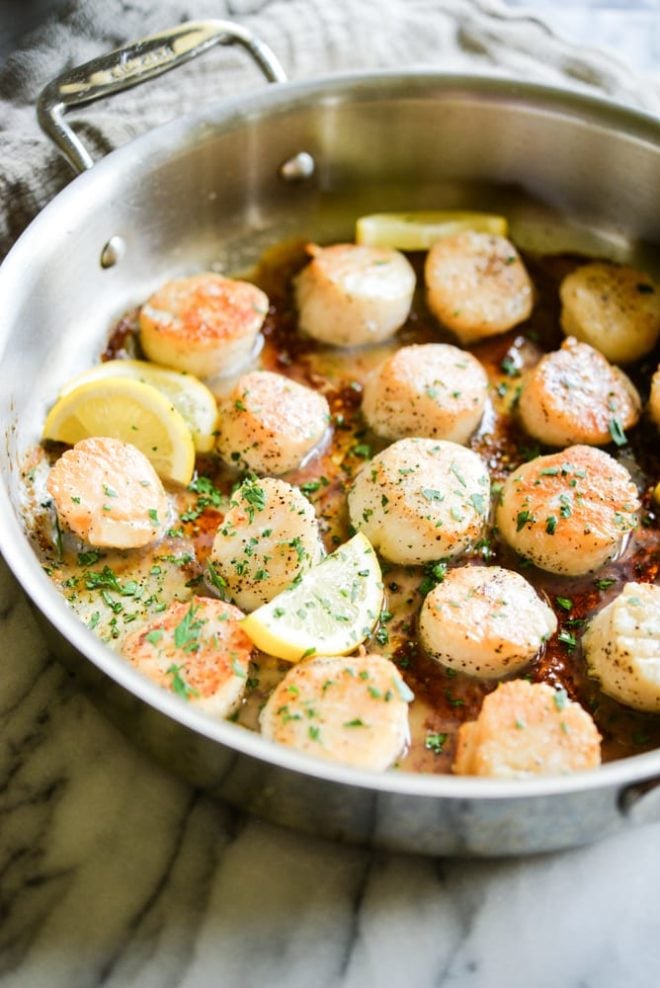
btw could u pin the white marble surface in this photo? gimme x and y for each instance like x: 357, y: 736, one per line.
x: 113, y: 873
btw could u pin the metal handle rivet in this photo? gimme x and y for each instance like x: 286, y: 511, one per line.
x: 298, y: 168
x: 112, y: 252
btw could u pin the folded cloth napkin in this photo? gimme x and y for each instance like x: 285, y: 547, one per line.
x: 311, y: 37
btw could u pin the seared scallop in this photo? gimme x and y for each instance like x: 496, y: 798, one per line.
x: 197, y: 650
x: 268, y: 538
x: 433, y: 391
x: 569, y: 512
x: 622, y: 647
x: 270, y: 424
x: 349, y: 295
x: 477, y: 285
x: 527, y: 729
x: 485, y: 621
x: 420, y: 500
x: 654, y: 399
x: 575, y: 396
x: 109, y: 495
x: 352, y: 710
x: 205, y: 325
x: 614, y: 308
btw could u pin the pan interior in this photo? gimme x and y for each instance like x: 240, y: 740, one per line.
x: 206, y: 193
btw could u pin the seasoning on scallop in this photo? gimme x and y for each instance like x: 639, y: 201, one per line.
x: 485, y: 621
x: 108, y: 494
x: 622, y: 647
x: 268, y: 538
x: 352, y: 710
x: 349, y: 295
x: 197, y: 650
x: 614, y: 308
x: 421, y: 500
x: 205, y: 325
x: 476, y: 285
x: 527, y: 729
x: 432, y: 390
x: 575, y: 396
x: 570, y: 512
x: 270, y: 424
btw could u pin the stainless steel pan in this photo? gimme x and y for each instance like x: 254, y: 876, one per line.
x: 215, y: 188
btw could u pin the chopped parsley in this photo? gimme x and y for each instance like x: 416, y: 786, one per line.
x: 208, y: 496
x: 253, y: 494
x: 311, y: 486
x: 432, y: 495
x: 565, y: 510
x: 509, y: 366
x: 382, y: 635
x: 106, y: 579
x: 435, y: 742
x: 616, y: 431
x: 89, y: 558
x: 456, y: 472
x: 186, y: 633
x: 362, y: 450
x: 434, y: 573
x: 569, y: 640
x: 179, y: 685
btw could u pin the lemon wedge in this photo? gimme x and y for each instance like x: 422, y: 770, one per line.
x: 333, y: 608
x: 189, y: 396
x: 420, y: 230
x: 132, y: 411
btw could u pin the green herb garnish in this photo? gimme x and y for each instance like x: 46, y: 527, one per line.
x: 435, y: 742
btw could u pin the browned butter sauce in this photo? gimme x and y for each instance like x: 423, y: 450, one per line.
x: 443, y: 699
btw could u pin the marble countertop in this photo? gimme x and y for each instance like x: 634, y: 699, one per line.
x: 114, y: 873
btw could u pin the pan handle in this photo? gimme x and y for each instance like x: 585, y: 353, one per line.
x: 136, y: 63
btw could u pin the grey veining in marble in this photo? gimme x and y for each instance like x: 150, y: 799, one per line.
x: 115, y: 874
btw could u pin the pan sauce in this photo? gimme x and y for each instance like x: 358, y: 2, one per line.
x: 137, y: 584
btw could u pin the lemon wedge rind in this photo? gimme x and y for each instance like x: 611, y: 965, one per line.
x: 419, y: 230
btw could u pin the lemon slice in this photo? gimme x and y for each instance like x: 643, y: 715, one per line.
x: 188, y: 395
x: 129, y: 410
x: 333, y: 608
x: 420, y: 230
